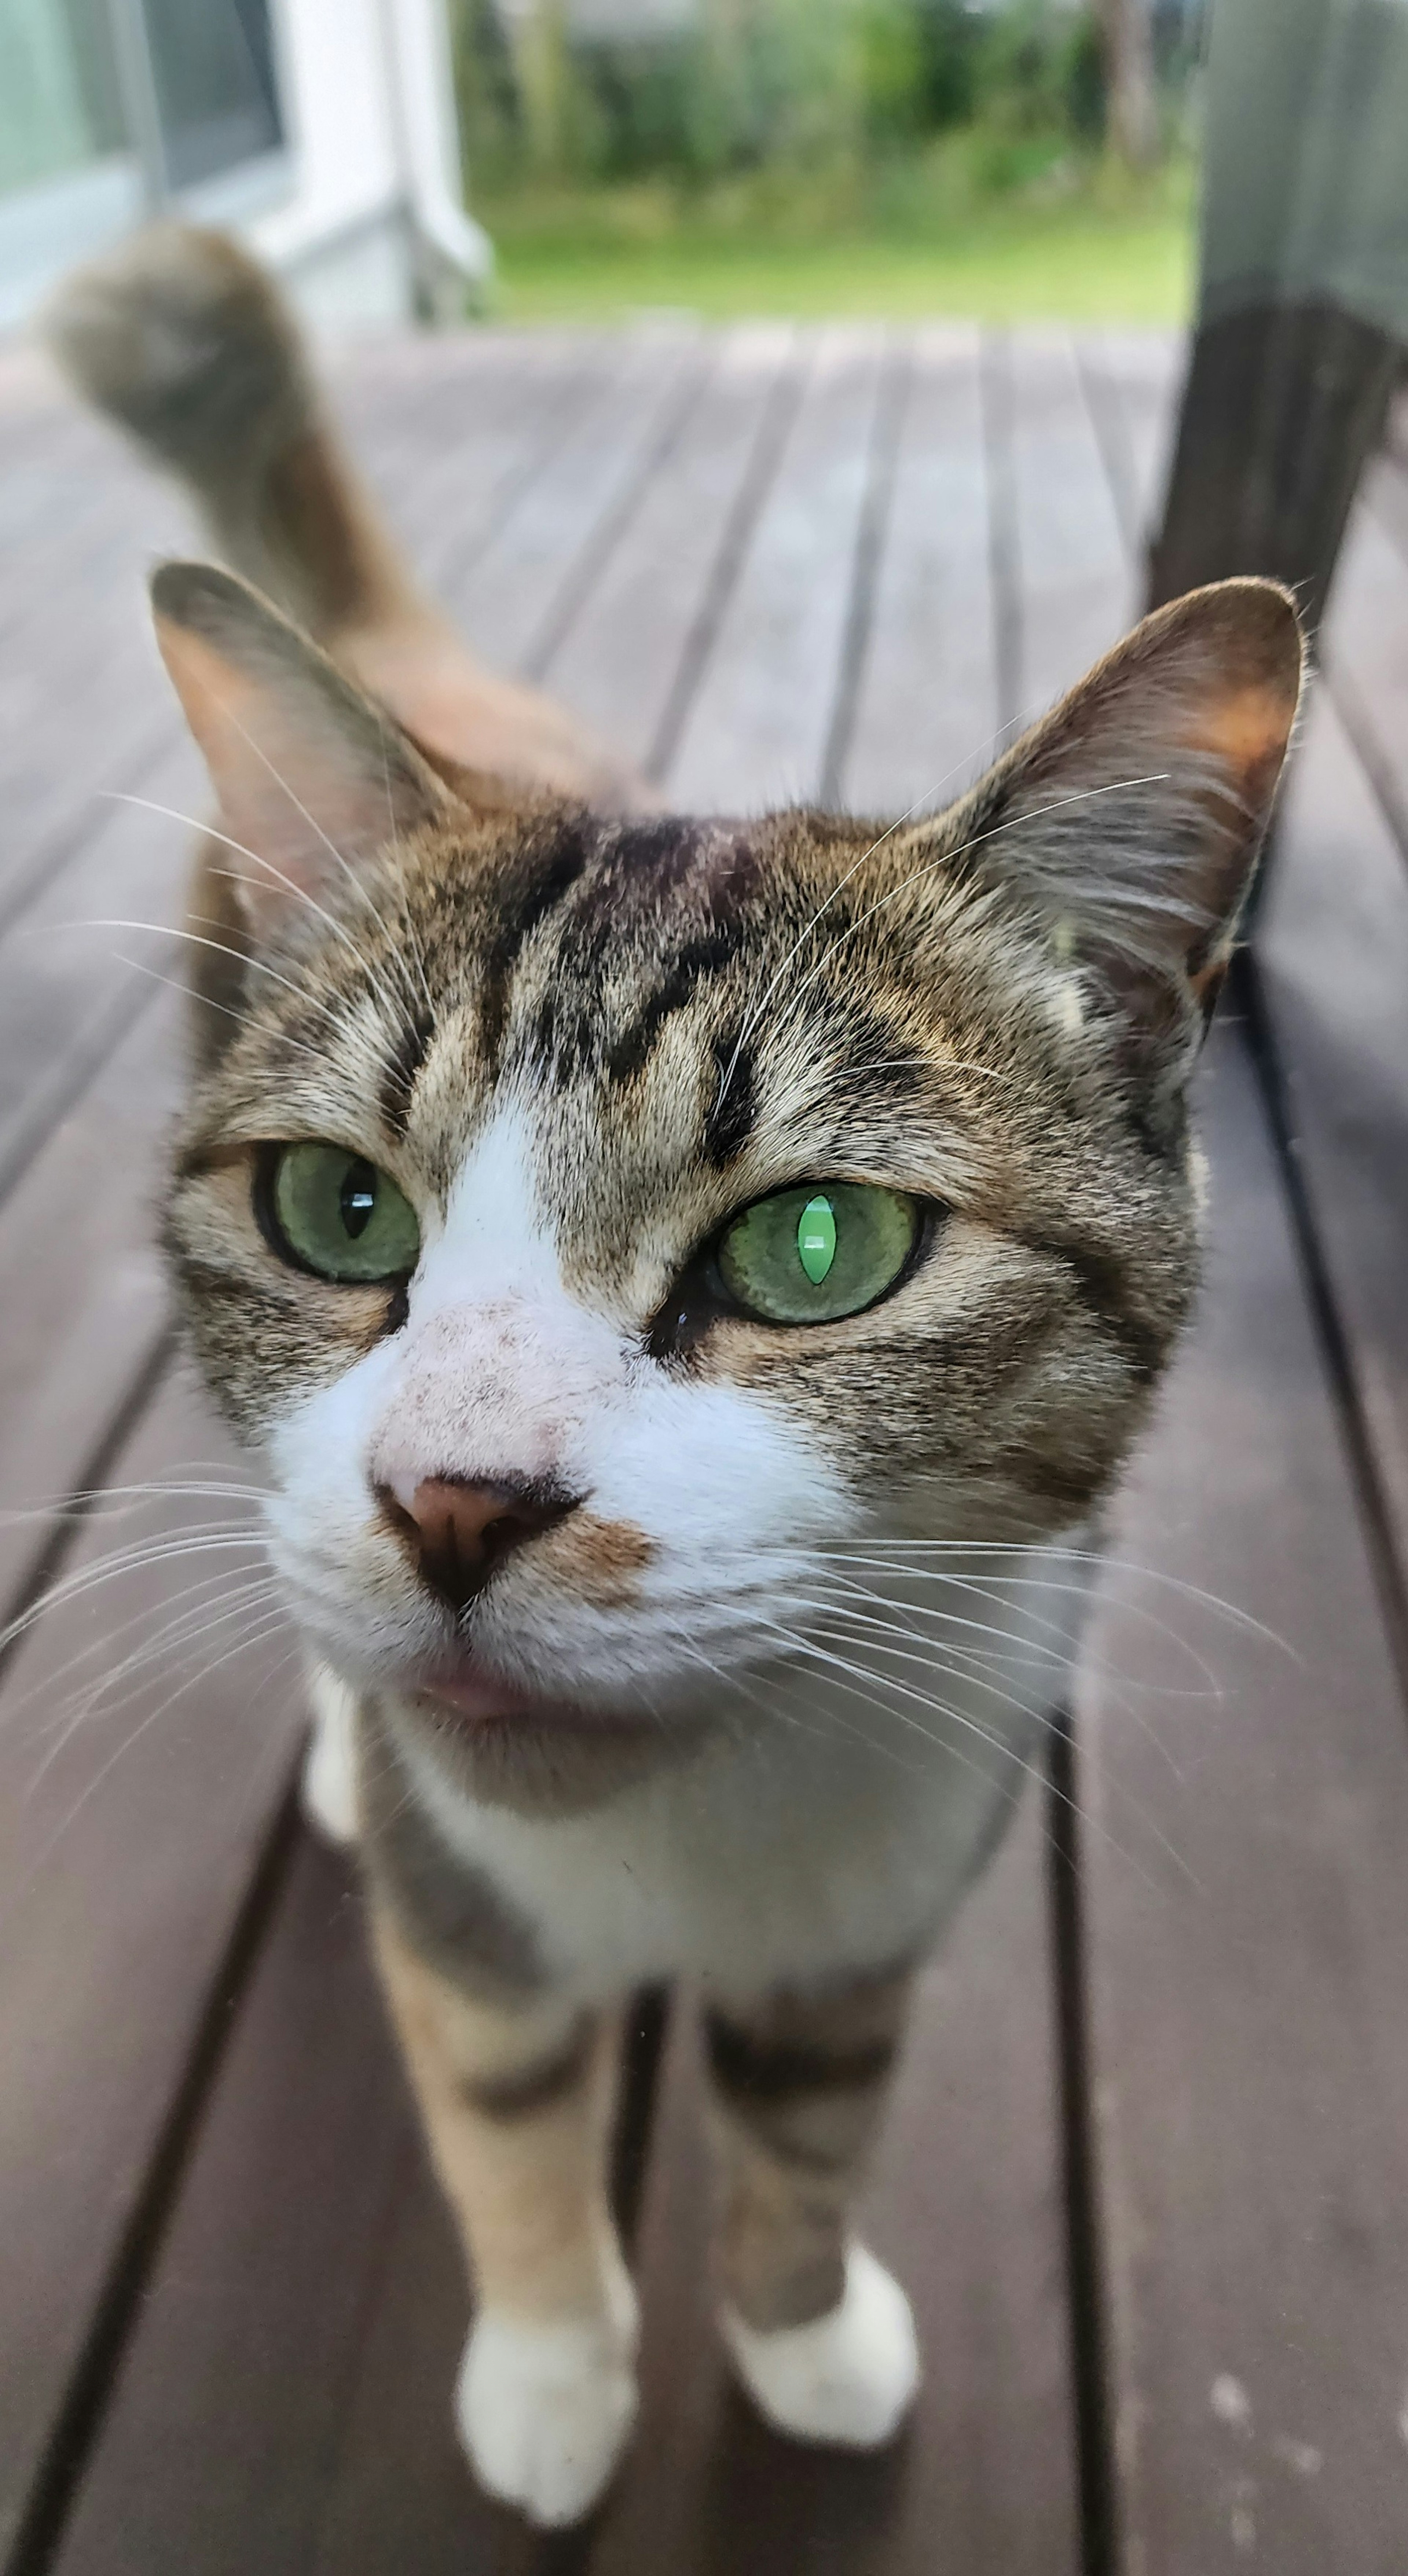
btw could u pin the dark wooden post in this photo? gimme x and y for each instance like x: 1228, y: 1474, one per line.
x: 1303, y: 309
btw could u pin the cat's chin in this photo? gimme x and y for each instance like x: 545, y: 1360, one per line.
x: 503, y: 1746
x: 485, y: 1704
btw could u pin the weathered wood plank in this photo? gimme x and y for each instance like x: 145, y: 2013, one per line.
x: 626, y: 654
x: 1331, y: 936
x: 1247, y: 2088
x: 70, y: 977
x: 926, y: 706
x: 1365, y: 642
x: 1332, y: 947
x: 1385, y: 492
x: 1132, y: 381
x: 758, y: 730
x: 82, y: 698
x: 129, y: 1830
x: 285, y: 2402
x: 399, y: 2493
x: 98, y: 720
x: 230, y: 2415
x: 1248, y: 1781
x: 509, y: 598
x: 1244, y: 1909
x: 80, y: 1287
x: 964, y: 2204
x: 1075, y: 583
x: 450, y: 455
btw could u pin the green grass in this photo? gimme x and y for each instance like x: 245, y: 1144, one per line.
x: 1099, y: 251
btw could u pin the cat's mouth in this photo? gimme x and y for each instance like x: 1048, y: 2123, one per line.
x: 536, y: 1752
x: 484, y: 1703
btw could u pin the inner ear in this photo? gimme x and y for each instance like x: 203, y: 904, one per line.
x: 1127, y: 824
x: 312, y: 778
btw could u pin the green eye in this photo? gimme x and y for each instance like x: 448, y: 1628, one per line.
x: 808, y: 1256
x: 338, y: 1215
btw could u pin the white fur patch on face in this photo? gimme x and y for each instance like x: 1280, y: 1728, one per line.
x: 501, y: 1374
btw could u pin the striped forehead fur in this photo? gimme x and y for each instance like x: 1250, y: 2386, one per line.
x: 764, y: 970
x: 698, y: 1013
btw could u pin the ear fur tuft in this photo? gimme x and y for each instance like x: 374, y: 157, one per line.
x: 1126, y: 825
x: 311, y: 776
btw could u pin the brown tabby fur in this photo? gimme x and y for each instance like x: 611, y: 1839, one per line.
x: 995, y: 1010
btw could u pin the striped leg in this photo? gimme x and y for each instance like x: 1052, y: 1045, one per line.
x: 819, y: 2333
x: 517, y: 2104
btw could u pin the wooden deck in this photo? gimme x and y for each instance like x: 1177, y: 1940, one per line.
x: 1148, y: 2174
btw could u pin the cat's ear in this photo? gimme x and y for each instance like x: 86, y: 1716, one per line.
x: 311, y: 777
x: 1126, y: 825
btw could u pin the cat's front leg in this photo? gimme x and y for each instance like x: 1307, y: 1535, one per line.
x: 329, y: 1793
x: 819, y: 2332
x: 517, y: 2103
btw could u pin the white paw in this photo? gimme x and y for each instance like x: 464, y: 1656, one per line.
x: 544, y: 2411
x: 328, y: 1791
x: 848, y: 2377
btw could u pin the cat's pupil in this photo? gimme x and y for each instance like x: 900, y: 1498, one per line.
x: 357, y: 1198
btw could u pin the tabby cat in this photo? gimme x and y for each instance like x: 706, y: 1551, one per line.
x: 690, y: 1282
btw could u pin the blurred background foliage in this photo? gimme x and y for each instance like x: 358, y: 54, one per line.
x: 1001, y: 157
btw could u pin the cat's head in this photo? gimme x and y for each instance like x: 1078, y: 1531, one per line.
x: 605, y: 1228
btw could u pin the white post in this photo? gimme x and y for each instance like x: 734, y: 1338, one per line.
x: 421, y: 74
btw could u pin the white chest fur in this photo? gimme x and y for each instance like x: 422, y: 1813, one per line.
x: 836, y: 1831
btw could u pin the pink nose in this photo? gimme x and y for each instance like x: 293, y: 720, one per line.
x: 460, y: 1531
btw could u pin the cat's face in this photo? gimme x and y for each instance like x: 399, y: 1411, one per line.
x: 553, y: 1063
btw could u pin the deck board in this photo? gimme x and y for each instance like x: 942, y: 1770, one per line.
x: 512, y: 597
x: 1235, y: 1900
x: 770, y: 564
x: 1330, y: 950
x: 925, y: 711
x: 1249, y: 1942
x: 1075, y: 584
x: 232, y: 2410
x: 81, y: 1290
x: 758, y: 729
x: 964, y: 2203
x: 1193, y: 2198
x: 1332, y: 946
x: 135, y: 1806
x: 633, y: 653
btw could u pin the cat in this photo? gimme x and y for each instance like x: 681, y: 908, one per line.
x: 691, y: 1283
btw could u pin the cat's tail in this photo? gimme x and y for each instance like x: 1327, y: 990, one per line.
x: 187, y: 344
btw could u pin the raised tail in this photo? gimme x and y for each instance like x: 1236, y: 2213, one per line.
x: 185, y: 341
x: 187, y: 344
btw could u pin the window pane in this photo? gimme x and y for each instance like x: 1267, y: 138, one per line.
x: 212, y: 61
x: 58, y: 91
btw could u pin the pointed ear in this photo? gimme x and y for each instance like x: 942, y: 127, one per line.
x: 1127, y: 824
x: 311, y: 776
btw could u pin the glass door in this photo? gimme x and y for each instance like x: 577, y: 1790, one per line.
x: 108, y: 107
x: 212, y: 71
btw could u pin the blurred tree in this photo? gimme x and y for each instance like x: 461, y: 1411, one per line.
x: 536, y: 32
x: 697, y: 92
x: 1132, y: 117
